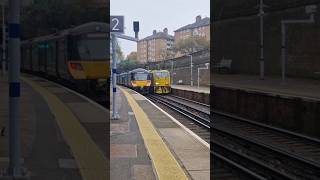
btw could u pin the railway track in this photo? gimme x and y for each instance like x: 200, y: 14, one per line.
x: 271, y: 152
x: 225, y: 168
x: 194, y: 116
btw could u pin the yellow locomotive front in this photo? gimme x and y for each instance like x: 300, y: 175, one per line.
x: 161, y: 82
x: 140, y: 80
x: 88, y: 61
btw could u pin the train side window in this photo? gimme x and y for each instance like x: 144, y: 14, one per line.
x: 71, y: 42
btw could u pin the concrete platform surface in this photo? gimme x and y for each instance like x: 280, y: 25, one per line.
x: 128, y: 156
x: 201, y: 89
x: 190, y: 154
x: 306, y: 88
x: 55, y: 141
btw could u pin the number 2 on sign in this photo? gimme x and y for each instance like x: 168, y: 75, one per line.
x: 115, y: 27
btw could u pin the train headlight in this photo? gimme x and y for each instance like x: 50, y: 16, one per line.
x: 157, y: 83
x: 76, y: 66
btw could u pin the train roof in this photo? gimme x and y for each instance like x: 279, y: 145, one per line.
x: 163, y: 70
x: 89, y: 27
x: 81, y: 29
x: 139, y: 70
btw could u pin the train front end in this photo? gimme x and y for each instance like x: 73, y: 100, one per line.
x: 161, y: 82
x: 89, y: 56
x: 140, y: 80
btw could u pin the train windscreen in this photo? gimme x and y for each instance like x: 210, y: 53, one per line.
x: 141, y: 76
x: 162, y: 74
x: 93, y: 49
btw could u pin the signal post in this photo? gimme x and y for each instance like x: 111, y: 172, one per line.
x: 117, y: 30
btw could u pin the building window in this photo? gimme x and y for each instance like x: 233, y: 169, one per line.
x: 195, y: 32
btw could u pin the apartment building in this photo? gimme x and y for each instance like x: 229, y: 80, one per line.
x: 155, y: 47
x: 201, y: 27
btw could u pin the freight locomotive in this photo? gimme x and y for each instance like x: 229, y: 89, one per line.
x: 160, y: 82
x: 78, y: 55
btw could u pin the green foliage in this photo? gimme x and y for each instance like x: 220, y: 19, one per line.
x: 46, y: 17
x: 127, y: 65
x: 192, y: 44
x: 132, y: 56
x: 120, y: 55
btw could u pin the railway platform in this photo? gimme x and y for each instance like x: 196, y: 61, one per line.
x: 304, y: 88
x: 201, y: 89
x: 276, y: 117
x: 148, y: 143
x: 292, y: 104
x: 63, y: 134
x: 201, y: 94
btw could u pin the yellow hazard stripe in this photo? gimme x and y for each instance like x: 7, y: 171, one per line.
x: 166, y: 166
x: 90, y: 159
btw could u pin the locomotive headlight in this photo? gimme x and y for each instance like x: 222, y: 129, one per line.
x: 157, y: 83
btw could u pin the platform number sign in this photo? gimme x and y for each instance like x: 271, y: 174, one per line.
x: 117, y: 24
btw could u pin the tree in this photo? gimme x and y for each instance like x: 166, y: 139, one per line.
x: 120, y: 55
x: 132, y: 56
x: 127, y: 65
x: 191, y: 44
x: 167, y: 53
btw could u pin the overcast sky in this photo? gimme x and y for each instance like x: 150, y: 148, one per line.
x: 156, y: 15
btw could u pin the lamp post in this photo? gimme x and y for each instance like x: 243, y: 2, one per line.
x: 172, y: 70
x: 191, y: 65
x: 261, y: 14
x: 203, y: 68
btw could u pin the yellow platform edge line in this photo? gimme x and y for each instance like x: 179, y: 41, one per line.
x: 165, y: 164
x: 90, y: 159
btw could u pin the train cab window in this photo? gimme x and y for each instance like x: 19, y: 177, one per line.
x: 141, y: 76
x: 93, y: 48
x: 162, y: 74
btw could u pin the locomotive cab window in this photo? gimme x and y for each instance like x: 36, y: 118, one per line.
x: 90, y: 47
x: 140, y: 76
x: 162, y: 74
